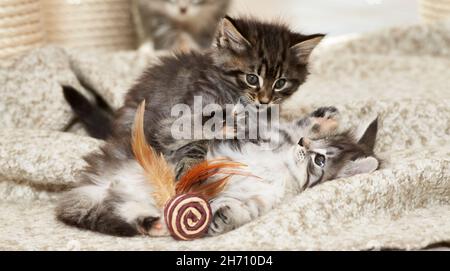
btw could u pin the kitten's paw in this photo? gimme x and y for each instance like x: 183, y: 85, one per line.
x: 228, y: 217
x: 146, y: 223
x: 325, y: 120
x: 221, y: 221
x: 151, y: 226
x: 329, y: 112
x: 144, y: 217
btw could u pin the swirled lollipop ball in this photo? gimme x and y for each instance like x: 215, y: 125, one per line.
x: 188, y: 216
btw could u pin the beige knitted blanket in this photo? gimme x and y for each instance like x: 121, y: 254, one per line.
x: 401, y: 74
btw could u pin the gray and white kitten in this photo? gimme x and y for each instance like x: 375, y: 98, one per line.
x: 302, y: 154
x: 178, y: 24
x: 115, y: 195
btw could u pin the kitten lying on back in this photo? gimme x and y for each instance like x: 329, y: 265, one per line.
x: 116, y: 198
x: 178, y: 24
x: 303, y: 154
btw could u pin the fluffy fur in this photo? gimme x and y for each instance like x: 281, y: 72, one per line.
x: 116, y: 198
x: 220, y: 76
x: 243, y: 47
x: 263, y: 62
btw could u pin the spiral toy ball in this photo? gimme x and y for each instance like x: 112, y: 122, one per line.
x: 188, y: 216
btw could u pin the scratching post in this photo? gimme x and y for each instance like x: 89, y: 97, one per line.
x: 90, y: 24
x: 21, y: 28
x: 434, y: 10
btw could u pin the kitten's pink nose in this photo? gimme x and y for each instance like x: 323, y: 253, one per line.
x: 264, y: 100
x: 183, y: 10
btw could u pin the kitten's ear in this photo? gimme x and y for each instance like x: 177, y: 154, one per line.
x: 359, y: 166
x: 304, y: 48
x: 229, y: 36
x: 369, y: 136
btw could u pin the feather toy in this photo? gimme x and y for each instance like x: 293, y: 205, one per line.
x: 186, y: 206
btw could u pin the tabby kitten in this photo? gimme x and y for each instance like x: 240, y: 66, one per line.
x: 178, y: 24
x: 115, y: 196
x: 263, y: 62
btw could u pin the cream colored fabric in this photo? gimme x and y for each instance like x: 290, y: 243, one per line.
x: 401, y: 75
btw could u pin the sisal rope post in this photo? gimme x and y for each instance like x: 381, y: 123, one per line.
x: 104, y: 25
x: 434, y: 10
x: 21, y: 27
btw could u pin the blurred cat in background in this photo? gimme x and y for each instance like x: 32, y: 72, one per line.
x: 178, y: 24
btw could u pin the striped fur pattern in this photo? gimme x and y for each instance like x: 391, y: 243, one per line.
x: 267, y: 60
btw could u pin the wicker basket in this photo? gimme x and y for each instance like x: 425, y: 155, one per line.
x: 434, y: 10
x: 90, y: 24
x: 21, y: 28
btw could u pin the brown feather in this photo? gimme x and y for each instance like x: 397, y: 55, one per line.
x: 157, y: 170
x: 191, y: 182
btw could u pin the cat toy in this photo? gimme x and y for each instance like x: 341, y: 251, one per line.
x: 187, y: 212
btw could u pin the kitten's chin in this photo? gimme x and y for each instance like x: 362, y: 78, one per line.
x: 184, y: 18
x: 300, y: 162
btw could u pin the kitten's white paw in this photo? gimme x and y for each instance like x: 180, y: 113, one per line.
x: 152, y: 226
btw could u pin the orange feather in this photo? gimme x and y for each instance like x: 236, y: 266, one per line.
x: 157, y: 170
x: 192, y: 180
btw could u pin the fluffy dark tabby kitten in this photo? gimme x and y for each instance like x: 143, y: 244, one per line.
x: 178, y: 24
x: 264, y: 62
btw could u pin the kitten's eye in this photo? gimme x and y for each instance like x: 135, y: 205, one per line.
x: 319, y: 160
x: 252, y: 79
x: 280, y: 84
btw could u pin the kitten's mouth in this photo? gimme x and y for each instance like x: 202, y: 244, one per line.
x: 268, y: 104
x: 261, y: 106
x: 249, y: 100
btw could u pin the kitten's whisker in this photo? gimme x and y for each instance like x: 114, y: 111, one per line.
x: 277, y: 101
